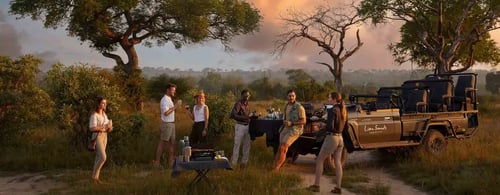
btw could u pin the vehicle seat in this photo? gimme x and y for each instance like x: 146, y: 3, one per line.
x: 416, y: 101
x: 384, y: 98
x: 465, y: 93
x: 441, y: 93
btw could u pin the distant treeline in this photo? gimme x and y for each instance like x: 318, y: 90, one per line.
x: 358, y: 78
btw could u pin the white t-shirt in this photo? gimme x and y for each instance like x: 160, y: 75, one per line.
x: 165, y: 104
x: 199, y: 114
x: 97, y: 119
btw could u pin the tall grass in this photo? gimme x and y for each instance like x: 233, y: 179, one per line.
x: 470, y: 166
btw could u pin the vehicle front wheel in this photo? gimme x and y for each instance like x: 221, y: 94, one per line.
x: 434, y: 142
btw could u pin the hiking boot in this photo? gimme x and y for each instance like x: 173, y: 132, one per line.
x: 313, y: 188
x: 243, y: 166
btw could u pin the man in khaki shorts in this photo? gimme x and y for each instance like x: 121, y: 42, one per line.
x: 293, y: 125
x: 167, y: 126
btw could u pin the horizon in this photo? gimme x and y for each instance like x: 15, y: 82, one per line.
x: 252, y: 52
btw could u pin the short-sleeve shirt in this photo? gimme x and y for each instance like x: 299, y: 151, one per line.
x: 165, y: 104
x: 97, y: 119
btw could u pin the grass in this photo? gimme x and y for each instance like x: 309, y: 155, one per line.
x: 470, y: 166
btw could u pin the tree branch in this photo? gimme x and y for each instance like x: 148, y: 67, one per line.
x: 115, y: 57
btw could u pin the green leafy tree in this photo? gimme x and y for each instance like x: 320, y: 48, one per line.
x: 211, y: 83
x: 110, y: 24
x: 233, y: 84
x: 155, y: 87
x: 305, y: 86
x: 262, y: 89
x: 23, y: 104
x: 493, y: 82
x: 75, y: 89
x: 327, y: 27
x: 447, y: 35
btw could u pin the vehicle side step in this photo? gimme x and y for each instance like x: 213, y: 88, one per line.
x: 389, y: 144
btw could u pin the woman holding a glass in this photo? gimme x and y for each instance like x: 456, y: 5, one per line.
x: 100, y: 125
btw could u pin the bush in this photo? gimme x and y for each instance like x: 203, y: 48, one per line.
x: 74, y: 90
x: 23, y: 105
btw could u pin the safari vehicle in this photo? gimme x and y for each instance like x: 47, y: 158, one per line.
x: 423, y: 112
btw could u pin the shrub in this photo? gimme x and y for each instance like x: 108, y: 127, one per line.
x: 74, y: 90
x: 23, y: 105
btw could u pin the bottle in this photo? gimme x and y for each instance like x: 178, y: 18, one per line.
x: 279, y: 113
x: 186, y: 141
x: 181, y: 147
x: 187, y: 153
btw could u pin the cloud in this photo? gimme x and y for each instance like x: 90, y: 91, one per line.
x: 305, y: 54
x: 10, y: 44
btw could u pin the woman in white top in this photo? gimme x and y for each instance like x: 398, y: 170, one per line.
x: 200, y: 116
x: 100, y: 125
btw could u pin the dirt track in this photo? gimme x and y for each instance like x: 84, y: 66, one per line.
x: 304, y: 166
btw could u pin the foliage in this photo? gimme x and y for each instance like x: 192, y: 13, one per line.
x: 233, y: 84
x: 23, y: 104
x: 211, y: 83
x: 266, y: 89
x: 155, y: 87
x: 110, y: 24
x: 305, y: 86
x: 220, y: 107
x: 447, y: 35
x: 493, y: 82
x: 131, y: 85
x: 126, y: 137
x: 75, y: 89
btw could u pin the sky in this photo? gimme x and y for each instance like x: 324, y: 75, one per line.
x: 251, y: 52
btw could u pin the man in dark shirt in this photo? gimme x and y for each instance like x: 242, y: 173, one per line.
x: 240, y: 113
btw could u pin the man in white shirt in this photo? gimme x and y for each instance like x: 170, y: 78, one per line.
x: 167, y: 126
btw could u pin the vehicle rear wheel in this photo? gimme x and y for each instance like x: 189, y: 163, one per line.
x: 434, y: 142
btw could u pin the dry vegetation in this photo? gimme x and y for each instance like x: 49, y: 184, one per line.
x: 468, y: 166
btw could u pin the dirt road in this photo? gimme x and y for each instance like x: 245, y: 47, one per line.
x: 34, y: 183
x: 304, y: 166
x: 28, y: 183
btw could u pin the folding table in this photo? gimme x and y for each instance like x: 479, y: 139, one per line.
x: 201, y: 168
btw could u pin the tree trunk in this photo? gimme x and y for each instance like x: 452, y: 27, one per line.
x: 134, y: 80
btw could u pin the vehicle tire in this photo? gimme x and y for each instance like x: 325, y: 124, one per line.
x: 434, y: 142
x: 294, y: 156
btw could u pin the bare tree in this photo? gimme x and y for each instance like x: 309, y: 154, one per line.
x: 327, y: 26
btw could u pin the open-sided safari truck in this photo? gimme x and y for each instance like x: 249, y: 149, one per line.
x: 423, y: 112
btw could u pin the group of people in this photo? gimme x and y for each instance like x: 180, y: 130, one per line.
x: 294, y: 119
